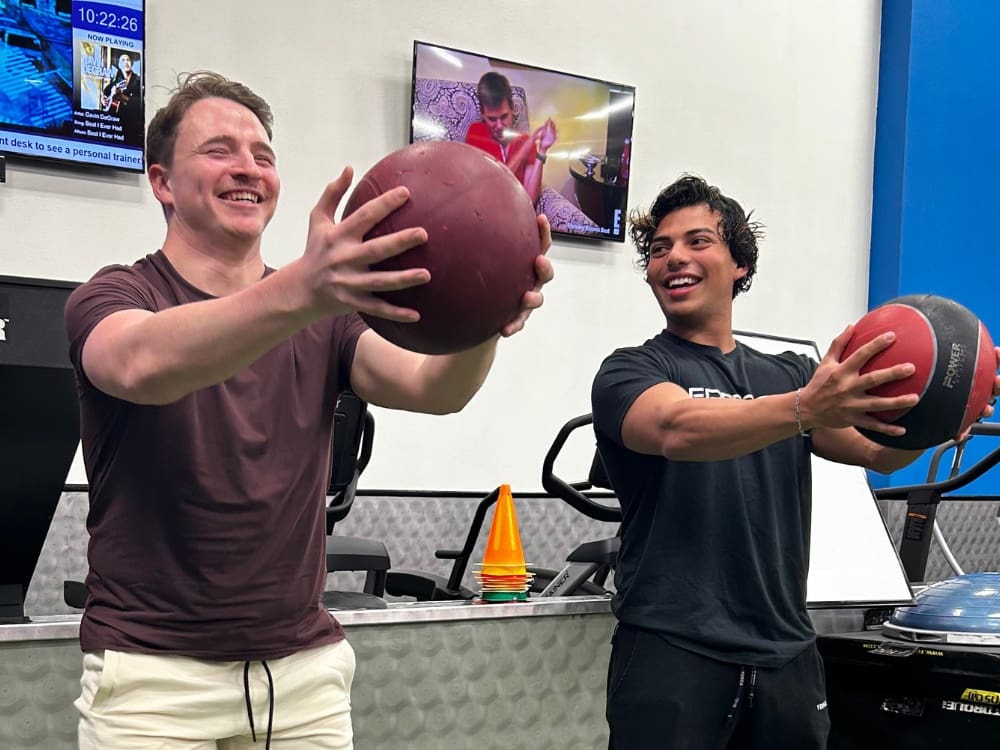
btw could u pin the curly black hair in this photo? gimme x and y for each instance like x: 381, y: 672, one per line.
x: 737, y: 230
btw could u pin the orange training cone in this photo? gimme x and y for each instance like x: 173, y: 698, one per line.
x: 504, y: 555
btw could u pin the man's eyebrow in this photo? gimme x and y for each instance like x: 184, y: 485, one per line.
x: 230, y: 141
x: 688, y: 233
x: 700, y: 230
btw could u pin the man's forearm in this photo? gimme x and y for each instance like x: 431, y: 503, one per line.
x: 451, y: 380
x: 166, y: 355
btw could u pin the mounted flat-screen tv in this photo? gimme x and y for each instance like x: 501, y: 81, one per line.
x: 567, y: 137
x: 39, y: 426
x: 71, y: 86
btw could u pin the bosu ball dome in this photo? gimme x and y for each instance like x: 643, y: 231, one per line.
x: 964, y: 609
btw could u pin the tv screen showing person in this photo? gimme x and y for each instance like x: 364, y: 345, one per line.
x: 566, y: 137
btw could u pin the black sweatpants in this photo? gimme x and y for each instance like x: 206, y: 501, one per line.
x: 661, y: 697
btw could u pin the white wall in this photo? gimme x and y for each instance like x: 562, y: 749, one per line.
x: 773, y: 100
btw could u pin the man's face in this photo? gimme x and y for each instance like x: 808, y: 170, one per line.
x: 498, y: 119
x: 125, y: 64
x: 691, y: 269
x: 223, y: 184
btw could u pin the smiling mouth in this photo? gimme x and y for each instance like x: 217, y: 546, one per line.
x: 682, y: 282
x: 241, y: 196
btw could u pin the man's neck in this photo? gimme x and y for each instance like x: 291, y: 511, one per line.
x: 215, y: 270
x: 718, y: 335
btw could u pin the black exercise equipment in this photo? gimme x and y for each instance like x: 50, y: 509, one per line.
x: 884, y: 691
x: 426, y: 587
x: 353, y: 435
x: 922, y: 500
x: 586, y: 567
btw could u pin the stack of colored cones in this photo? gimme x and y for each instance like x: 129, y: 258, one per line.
x: 503, y: 575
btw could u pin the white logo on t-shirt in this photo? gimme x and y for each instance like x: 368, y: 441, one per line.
x: 703, y: 392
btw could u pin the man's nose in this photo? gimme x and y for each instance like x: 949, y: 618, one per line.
x: 246, y: 163
x: 677, y: 257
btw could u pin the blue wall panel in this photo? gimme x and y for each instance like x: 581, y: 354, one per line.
x: 937, y: 161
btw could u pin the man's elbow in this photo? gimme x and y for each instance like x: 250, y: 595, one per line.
x: 675, y: 444
x: 137, y: 385
x: 888, y: 460
x: 451, y: 403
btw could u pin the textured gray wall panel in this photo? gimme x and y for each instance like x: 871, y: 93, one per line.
x: 970, y: 529
x: 411, y: 527
x: 38, y: 684
x: 414, y: 527
x: 64, y: 556
x: 513, y: 684
x: 531, y: 684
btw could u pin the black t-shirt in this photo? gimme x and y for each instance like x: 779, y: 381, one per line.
x: 715, y: 554
x: 207, y: 519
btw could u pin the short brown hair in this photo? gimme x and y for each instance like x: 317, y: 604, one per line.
x: 161, y: 135
x: 493, y: 91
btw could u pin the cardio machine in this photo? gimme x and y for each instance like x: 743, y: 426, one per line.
x: 586, y: 568
x: 920, y: 527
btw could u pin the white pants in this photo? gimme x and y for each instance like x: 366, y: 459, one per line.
x: 148, y: 702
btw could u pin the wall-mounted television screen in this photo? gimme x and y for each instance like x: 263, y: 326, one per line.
x: 567, y: 137
x: 71, y: 87
x: 39, y: 426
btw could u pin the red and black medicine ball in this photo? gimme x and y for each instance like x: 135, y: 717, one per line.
x: 954, y: 360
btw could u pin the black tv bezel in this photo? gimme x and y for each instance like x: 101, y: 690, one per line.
x: 589, y: 238
x: 33, y: 519
x: 16, y: 157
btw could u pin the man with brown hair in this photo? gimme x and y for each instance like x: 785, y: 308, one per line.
x: 207, y: 383
x: 525, y: 153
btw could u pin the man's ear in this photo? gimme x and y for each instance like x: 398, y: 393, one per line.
x: 159, y: 180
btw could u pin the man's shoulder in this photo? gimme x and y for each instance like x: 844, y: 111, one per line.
x: 651, y: 348
x: 777, y: 359
x: 799, y: 367
x: 140, y: 269
x: 479, y: 135
x: 477, y: 129
x: 119, y: 278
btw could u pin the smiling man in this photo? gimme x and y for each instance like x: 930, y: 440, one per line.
x: 707, y: 443
x: 207, y: 383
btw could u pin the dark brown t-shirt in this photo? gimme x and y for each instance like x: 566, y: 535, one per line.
x: 207, y: 521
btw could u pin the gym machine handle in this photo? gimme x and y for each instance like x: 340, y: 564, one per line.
x: 569, y: 493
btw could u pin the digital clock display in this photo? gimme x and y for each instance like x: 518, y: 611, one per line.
x: 111, y: 19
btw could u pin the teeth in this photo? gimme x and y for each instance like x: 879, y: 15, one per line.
x: 681, y: 281
x: 242, y: 197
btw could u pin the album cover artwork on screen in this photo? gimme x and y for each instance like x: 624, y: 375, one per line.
x: 567, y: 137
x: 71, y: 84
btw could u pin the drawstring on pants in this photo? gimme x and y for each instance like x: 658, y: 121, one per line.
x: 739, y: 694
x: 270, y: 701
x: 739, y: 691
